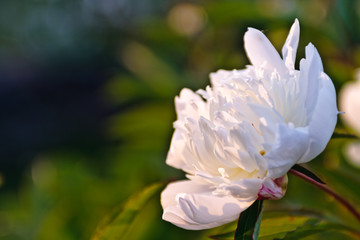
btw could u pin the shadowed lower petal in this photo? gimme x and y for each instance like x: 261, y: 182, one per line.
x: 193, y: 206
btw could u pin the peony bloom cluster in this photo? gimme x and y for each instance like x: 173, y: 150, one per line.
x: 237, y: 139
x: 350, y: 104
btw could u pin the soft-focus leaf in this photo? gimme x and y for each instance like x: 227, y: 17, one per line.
x: 117, y: 223
x: 150, y: 121
x: 249, y: 222
x: 123, y: 89
x: 157, y: 74
x: 280, y: 226
x: 312, y: 228
x: 291, y: 225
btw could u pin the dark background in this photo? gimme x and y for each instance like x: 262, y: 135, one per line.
x: 86, y: 100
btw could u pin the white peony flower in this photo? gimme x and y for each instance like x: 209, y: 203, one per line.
x: 350, y: 104
x: 237, y: 139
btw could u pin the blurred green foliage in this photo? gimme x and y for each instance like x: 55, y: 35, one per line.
x: 149, y: 52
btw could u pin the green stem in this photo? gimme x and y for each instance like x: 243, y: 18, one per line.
x: 329, y: 191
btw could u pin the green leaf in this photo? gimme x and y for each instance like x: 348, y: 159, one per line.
x: 308, y: 173
x: 249, y: 222
x: 292, y: 225
x: 277, y: 227
x: 116, y: 224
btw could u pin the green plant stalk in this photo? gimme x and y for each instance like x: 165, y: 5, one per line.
x: 329, y: 191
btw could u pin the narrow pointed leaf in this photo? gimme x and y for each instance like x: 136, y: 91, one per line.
x: 308, y: 173
x: 249, y: 222
x: 344, y: 135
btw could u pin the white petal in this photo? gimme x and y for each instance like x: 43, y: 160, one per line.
x: 261, y: 52
x: 323, y: 119
x: 190, y: 107
x: 192, y: 206
x: 244, y: 188
x: 291, y: 44
x: 189, y: 104
x: 219, y: 76
x: 246, y: 136
x: 179, y: 156
x: 290, y: 145
x: 310, y: 71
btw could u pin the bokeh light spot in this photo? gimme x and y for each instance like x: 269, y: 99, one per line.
x: 187, y: 19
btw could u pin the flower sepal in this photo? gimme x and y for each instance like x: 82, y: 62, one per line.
x: 273, y: 188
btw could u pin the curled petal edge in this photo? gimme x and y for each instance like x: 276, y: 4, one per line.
x: 323, y: 121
